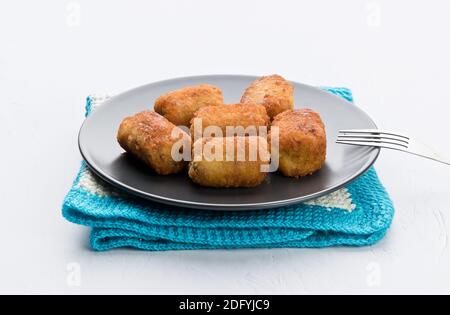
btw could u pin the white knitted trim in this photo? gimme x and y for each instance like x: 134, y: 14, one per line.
x: 89, y: 182
x: 340, y: 199
x: 98, y: 99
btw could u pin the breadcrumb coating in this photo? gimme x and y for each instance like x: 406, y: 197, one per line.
x: 233, y: 115
x: 180, y: 106
x: 273, y: 92
x: 148, y: 136
x: 225, y: 173
x: 302, y: 142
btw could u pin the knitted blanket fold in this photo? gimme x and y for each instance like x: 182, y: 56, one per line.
x: 358, y: 215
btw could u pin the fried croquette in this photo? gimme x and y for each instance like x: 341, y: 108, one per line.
x: 302, y: 142
x: 248, y: 118
x: 179, y: 106
x: 151, y: 137
x: 274, y: 92
x: 240, y: 166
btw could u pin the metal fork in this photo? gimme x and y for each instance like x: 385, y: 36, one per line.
x: 389, y: 140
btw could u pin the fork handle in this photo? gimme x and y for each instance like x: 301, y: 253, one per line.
x: 423, y: 150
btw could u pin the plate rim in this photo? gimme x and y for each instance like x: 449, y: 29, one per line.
x: 219, y: 206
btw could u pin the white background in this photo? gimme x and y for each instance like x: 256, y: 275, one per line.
x: 394, y: 54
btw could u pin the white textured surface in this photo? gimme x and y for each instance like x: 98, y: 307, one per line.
x: 397, y: 66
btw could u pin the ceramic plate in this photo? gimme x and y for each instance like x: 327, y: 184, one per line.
x: 98, y: 145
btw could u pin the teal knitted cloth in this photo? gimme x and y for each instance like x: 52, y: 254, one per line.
x: 358, y: 215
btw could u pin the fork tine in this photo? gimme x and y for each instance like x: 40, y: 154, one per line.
x: 368, y: 140
x: 372, y: 137
x: 372, y: 131
x: 374, y: 144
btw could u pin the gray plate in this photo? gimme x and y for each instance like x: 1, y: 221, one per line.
x: 99, y: 148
